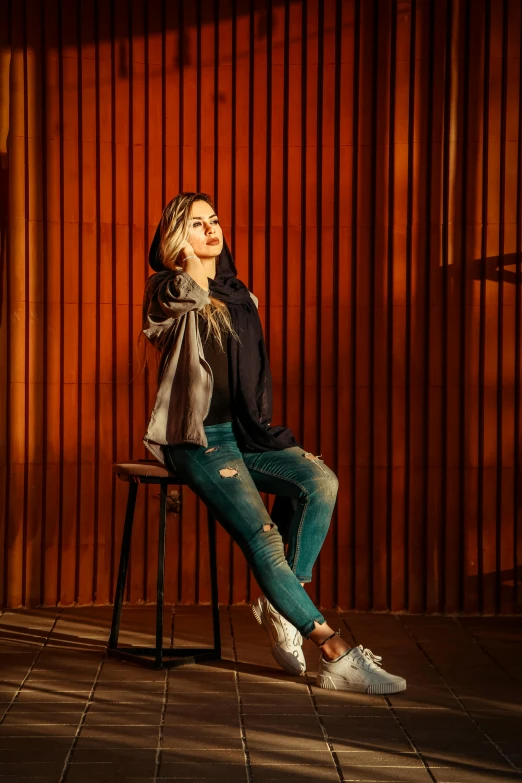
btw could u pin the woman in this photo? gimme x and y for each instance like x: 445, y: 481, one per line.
x: 211, y: 424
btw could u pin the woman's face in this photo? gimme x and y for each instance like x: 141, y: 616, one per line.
x: 205, y: 229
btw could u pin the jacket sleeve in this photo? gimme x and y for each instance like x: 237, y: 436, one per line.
x: 169, y: 295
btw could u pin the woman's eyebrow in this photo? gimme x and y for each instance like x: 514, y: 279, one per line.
x: 200, y: 218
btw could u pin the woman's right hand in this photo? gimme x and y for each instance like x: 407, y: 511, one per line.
x: 186, y: 250
x: 193, y: 265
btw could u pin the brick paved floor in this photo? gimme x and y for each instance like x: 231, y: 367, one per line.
x: 71, y: 714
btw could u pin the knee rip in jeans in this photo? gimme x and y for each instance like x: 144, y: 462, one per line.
x: 213, y: 448
x: 229, y: 473
x: 268, y: 527
x: 308, y: 455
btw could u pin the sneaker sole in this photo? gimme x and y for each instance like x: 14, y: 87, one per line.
x: 260, y: 617
x: 335, y: 683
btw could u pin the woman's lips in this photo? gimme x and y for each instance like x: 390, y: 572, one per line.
x: 213, y: 242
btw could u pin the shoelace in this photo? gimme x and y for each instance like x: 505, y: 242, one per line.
x: 370, y: 660
x: 287, y: 629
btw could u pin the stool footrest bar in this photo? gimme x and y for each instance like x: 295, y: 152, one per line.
x: 179, y: 656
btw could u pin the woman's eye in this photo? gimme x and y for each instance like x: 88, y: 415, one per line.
x: 194, y: 225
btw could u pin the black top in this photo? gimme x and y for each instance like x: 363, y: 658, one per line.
x: 217, y: 357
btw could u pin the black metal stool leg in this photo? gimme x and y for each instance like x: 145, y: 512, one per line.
x: 161, y: 574
x: 213, y: 582
x: 124, y: 564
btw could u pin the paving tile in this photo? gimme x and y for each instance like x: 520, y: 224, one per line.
x: 436, y: 695
x: 122, y: 736
x: 510, y: 746
x: 474, y: 774
x: 37, y: 619
x: 280, y: 688
x: 294, y: 700
x: 198, y: 771
x: 347, y: 711
x: 380, y: 759
x: 277, y: 723
x: 49, y: 730
x: 499, y: 726
x: 26, y: 718
x: 325, y: 696
x: 178, y: 722
x: 194, y: 713
x: 9, y: 647
x: 291, y: 757
x: 13, y: 669
x: 215, y: 671
x: 377, y: 756
x: 300, y: 773
x: 201, y: 743
x: 226, y: 700
x: 39, y: 778
x: 139, y: 699
x: 124, y: 672
x: 53, y: 753
x: 40, y: 746
x: 467, y: 757
x: 52, y: 678
x: 262, y: 677
x: 121, y: 756
x: 370, y: 744
x: 135, y: 686
x: 6, y: 694
x: 39, y: 710
x: 42, y: 691
x: 437, y: 722
x: 17, y: 770
x: 106, y: 716
x: 259, y: 740
x: 384, y: 774
x: 74, y: 672
x: 27, y: 706
x: 303, y: 707
x: 508, y: 704
x: 170, y: 757
x: 325, y: 706
x: 453, y: 747
x: 109, y: 773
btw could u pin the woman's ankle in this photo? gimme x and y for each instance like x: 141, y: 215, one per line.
x: 334, y: 648
x: 328, y: 641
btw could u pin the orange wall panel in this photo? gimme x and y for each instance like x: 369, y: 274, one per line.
x: 365, y: 157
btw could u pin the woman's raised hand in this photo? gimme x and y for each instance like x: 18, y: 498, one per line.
x: 192, y: 265
x: 186, y: 250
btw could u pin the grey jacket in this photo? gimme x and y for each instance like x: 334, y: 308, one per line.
x: 169, y: 321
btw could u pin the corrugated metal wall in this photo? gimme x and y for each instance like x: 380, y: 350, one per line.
x: 366, y: 162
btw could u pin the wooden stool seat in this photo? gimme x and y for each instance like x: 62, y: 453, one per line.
x: 136, y: 472
x: 127, y: 471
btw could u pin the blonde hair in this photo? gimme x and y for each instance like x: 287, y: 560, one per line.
x: 174, y: 230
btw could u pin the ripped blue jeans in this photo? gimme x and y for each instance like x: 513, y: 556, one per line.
x: 229, y: 481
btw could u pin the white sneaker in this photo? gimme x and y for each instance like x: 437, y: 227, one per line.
x: 285, y: 639
x: 358, y: 670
